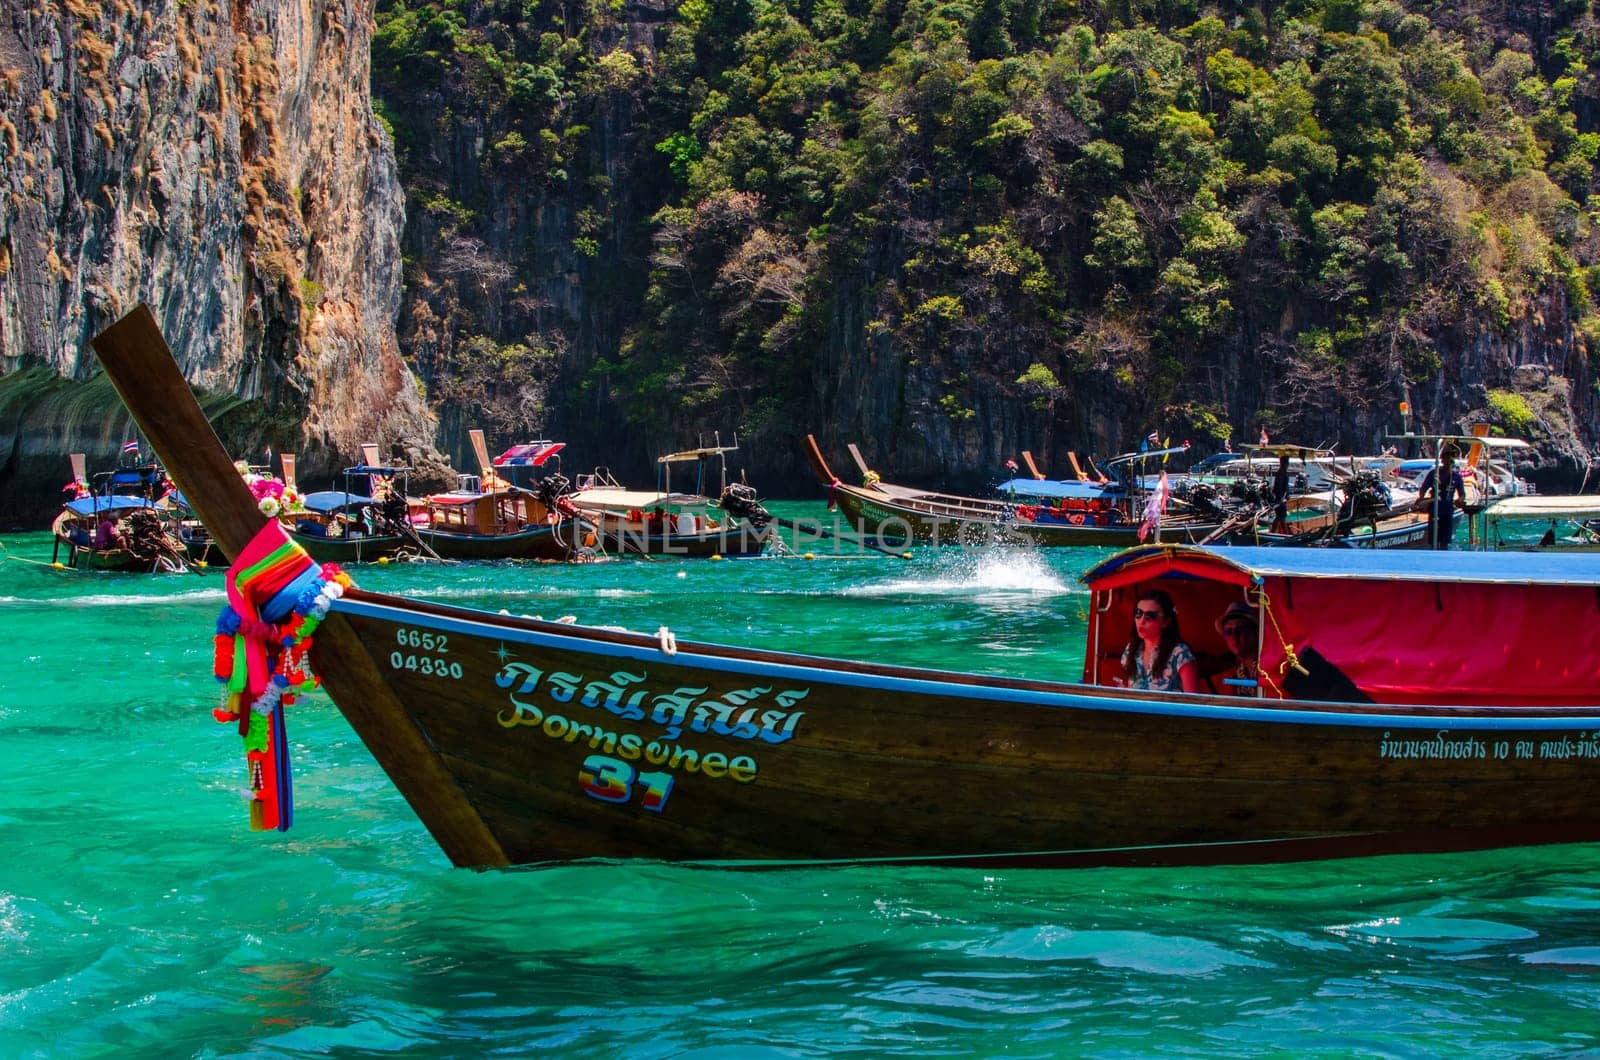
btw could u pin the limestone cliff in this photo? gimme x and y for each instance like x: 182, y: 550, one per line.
x: 220, y: 162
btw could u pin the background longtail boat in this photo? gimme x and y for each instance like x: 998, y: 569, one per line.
x: 139, y: 537
x: 664, y: 522
x: 519, y: 740
x: 885, y: 510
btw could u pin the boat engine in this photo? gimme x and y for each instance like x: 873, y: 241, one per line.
x: 1364, y: 495
x: 742, y: 502
x: 1206, y: 499
x: 552, y: 492
x: 1246, y: 492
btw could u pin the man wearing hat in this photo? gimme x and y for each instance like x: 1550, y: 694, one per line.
x: 1241, y: 632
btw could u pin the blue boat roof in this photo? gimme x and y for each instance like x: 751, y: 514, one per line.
x: 1054, y: 487
x: 93, y: 505
x: 1505, y: 568
x: 333, y: 500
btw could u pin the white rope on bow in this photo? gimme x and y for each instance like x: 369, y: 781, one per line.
x: 669, y: 641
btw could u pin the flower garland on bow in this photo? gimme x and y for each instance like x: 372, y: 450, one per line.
x: 273, y: 498
x: 277, y: 596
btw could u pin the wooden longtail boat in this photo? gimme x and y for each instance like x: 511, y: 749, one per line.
x: 140, y: 538
x: 1458, y: 710
x: 502, y: 523
x: 490, y: 518
x: 892, y: 512
x: 665, y: 523
x: 74, y: 529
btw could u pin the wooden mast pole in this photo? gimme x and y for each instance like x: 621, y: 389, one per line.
x: 140, y: 366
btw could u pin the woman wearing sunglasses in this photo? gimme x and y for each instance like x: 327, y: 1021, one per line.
x: 1156, y: 658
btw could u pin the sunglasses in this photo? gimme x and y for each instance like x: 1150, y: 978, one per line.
x: 1139, y: 615
x: 1238, y: 630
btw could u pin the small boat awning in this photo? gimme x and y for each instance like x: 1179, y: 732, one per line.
x: 1245, y: 566
x: 1465, y: 440
x: 332, y: 500
x: 620, y: 500
x: 1571, y: 506
x: 1148, y: 454
x: 529, y: 454
x: 703, y: 453
x: 95, y: 505
x: 1056, y: 488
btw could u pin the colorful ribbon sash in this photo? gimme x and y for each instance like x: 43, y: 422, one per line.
x: 277, y: 596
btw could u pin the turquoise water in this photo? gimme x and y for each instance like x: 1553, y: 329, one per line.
x: 139, y: 916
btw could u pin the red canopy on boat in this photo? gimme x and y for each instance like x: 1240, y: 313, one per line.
x: 1436, y: 627
x: 529, y: 453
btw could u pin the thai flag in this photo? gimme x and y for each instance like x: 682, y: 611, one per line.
x: 130, y: 447
x: 1264, y: 437
x: 1227, y: 445
x: 1154, y: 438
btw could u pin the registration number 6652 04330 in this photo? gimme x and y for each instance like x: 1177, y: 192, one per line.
x: 430, y: 660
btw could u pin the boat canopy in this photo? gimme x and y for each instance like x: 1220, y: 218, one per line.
x: 1464, y: 440
x: 137, y: 476
x: 1381, y: 626
x: 332, y: 500
x: 104, y: 503
x: 1127, y: 458
x: 1057, y: 488
x: 529, y: 454
x: 1554, y: 506
x: 459, y: 497
x: 690, y: 455
x: 621, y: 500
x: 373, y: 469
x: 1295, y: 452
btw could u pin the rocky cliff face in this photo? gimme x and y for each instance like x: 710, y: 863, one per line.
x: 564, y: 276
x: 220, y: 162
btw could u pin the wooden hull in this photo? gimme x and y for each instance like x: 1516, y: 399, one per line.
x: 82, y: 557
x: 107, y: 559
x: 199, y: 547
x: 568, y: 742
x: 535, y: 542
x: 889, y: 518
x: 898, y: 514
x: 346, y: 550
x: 1398, y: 531
x: 732, y: 542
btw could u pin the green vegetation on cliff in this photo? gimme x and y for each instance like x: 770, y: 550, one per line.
x: 1070, y: 218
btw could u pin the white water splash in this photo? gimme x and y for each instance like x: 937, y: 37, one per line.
x: 976, y: 573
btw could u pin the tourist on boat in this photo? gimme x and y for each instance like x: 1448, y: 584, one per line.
x: 1280, y: 496
x: 1441, y: 509
x: 106, y: 535
x: 1156, y: 658
x: 1241, y: 632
